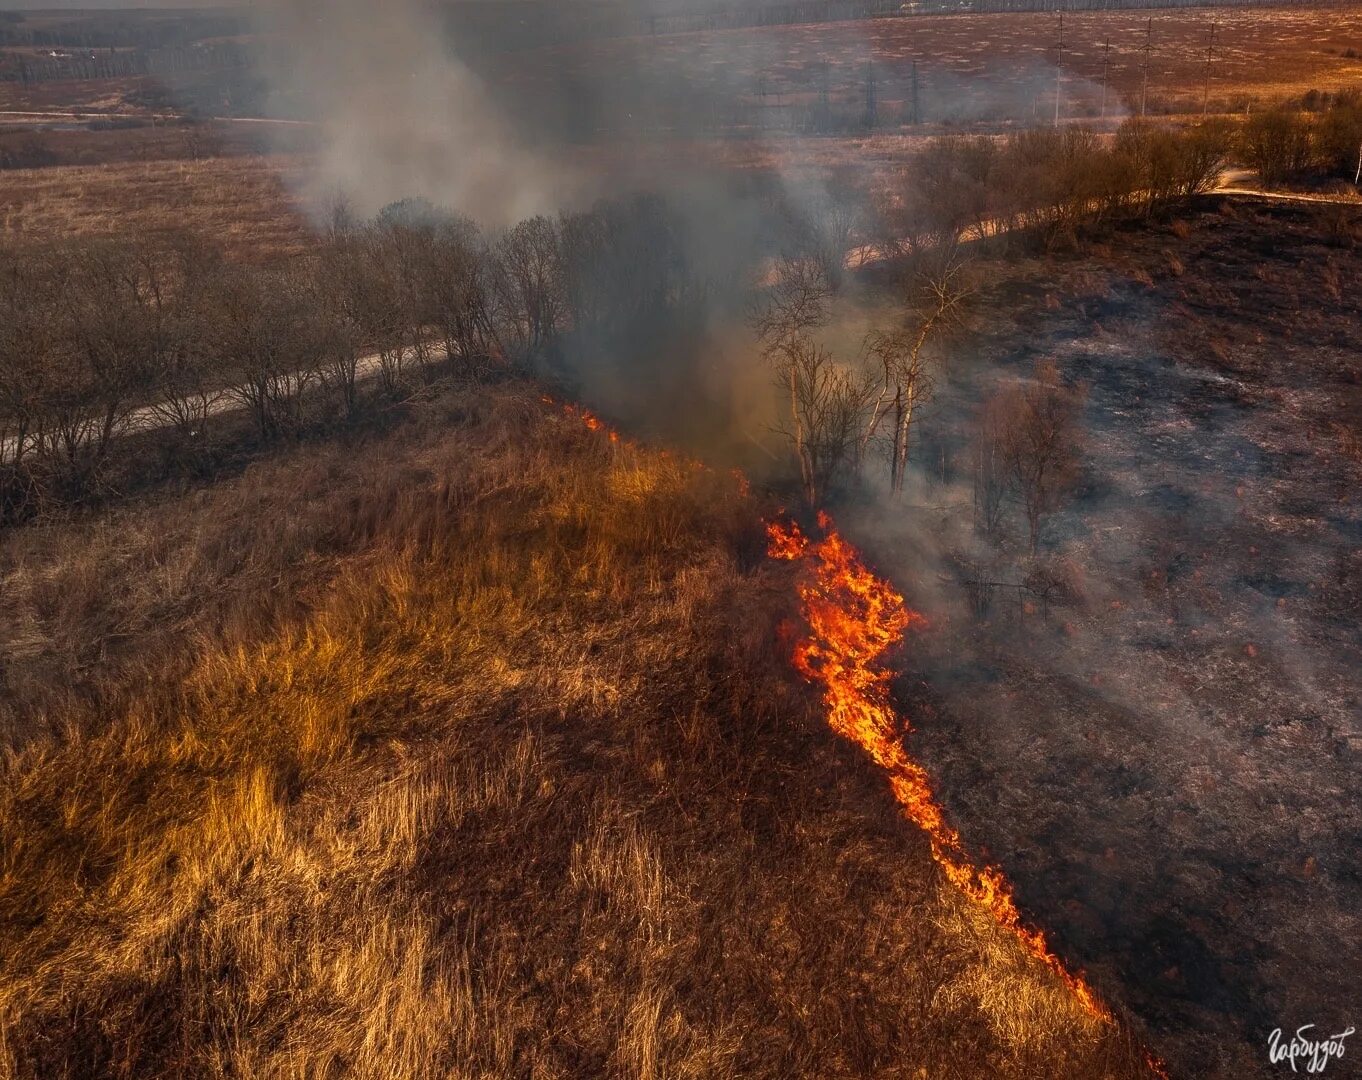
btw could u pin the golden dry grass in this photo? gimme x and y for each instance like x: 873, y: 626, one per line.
x: 244, y: 202
x: 527, y: 789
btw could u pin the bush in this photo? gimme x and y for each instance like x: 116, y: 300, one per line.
x: 1277, y: 144
x: 1339, y: 138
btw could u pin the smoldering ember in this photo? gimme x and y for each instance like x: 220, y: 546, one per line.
x: 662, y: 539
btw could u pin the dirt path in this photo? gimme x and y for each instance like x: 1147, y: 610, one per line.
x: 1238, y: 181
x: 214, y: 403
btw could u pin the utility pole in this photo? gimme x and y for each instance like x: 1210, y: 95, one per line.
x: 1059, y: 66
x: 825, y: 99
x: 1210, y: 54
x: 872, y: 108
x: 917, y: 98
x: 1144, y: 85
x: 1106, y: 67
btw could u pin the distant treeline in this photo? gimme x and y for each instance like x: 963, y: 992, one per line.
x: 806, y: 11
x: 478, y: 28
x: 111, y: 63
x: 99, y: 338
x: 116, y: 29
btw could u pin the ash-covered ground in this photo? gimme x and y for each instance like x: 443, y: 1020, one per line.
x: 1168, y: 760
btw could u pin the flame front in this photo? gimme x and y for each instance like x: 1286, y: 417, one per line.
x: 854, y: 619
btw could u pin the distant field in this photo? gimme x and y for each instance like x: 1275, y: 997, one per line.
x: 692, y: 100
x: 981, y: 67
x: 243, y: 202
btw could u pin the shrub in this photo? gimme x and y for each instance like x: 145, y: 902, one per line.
x: 1277, y: 144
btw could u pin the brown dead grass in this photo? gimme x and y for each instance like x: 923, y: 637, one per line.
x: 1260, y: 53
x: 526, y: 789
x: 244, y: 202
x: 87, y: 95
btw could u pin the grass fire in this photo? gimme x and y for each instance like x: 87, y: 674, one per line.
x: 680, y: 540
x: 854, y: 618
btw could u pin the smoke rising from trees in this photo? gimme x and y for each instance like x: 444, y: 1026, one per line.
x: 399, y: 115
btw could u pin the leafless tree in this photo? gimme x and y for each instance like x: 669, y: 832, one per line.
x: 796, y: 304
x: 267, y: 336
x: 826, y: 403
x: 182, y: 277
x: 1036, y: 427
x: 529, y: 264
x: 114, y: 317
x: 1203, y: 152
x: 28, y: 346
x: 360, y: 303
x: 1340, y: 138
x: 938, y: 293
x: 823, y: 225
x: 824, y: 399
x: 455, y: 293
x: 991, y: 471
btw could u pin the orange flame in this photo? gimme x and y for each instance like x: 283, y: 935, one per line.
x: 854, y: 619
x: 586, y: 416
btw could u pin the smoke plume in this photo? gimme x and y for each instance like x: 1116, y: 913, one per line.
x: 398, y: 115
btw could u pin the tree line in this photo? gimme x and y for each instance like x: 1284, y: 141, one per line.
x: 842, y: 415
x: 1288, y: 143
x: 1045, y: 182
x: 101, y: 338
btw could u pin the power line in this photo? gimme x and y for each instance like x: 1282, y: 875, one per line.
x: 1106, y: 67
x: 1059, y: 66
x: 1210, y: 54
x: 1144, y: 84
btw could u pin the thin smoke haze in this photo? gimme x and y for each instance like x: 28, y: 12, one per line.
x: 399, y: 116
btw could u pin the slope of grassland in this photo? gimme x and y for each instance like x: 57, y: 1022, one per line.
x: 518, y: 782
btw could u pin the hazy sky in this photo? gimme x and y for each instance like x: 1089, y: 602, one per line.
x: 103, y: 5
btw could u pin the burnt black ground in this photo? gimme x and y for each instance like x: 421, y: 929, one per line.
x: 1170, y: 769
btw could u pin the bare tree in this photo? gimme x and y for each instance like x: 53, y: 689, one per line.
x: 455, y: 292
x: 529, y: 264
x: 360, y: 305
x: 182, y: 278
x: 796, y: 305
x: 822, y: 226
x: 113, y: 309
x: 1037, y: 427
x: 27, y: 346
x: 938, y: 294
x: 827, y: 401
x: 1202, y: 154
x: 991, y: 471
x: 267, y: 336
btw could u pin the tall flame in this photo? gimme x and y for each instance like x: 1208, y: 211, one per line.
x: 854, y: 619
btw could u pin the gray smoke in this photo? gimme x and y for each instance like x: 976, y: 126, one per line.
x: 398, y: 115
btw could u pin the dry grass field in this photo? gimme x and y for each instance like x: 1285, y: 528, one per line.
x: 997, y: 66
x: 92, y: 97
x: 462, y: 738
x: 507, y: 774
x: 244, y: 202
